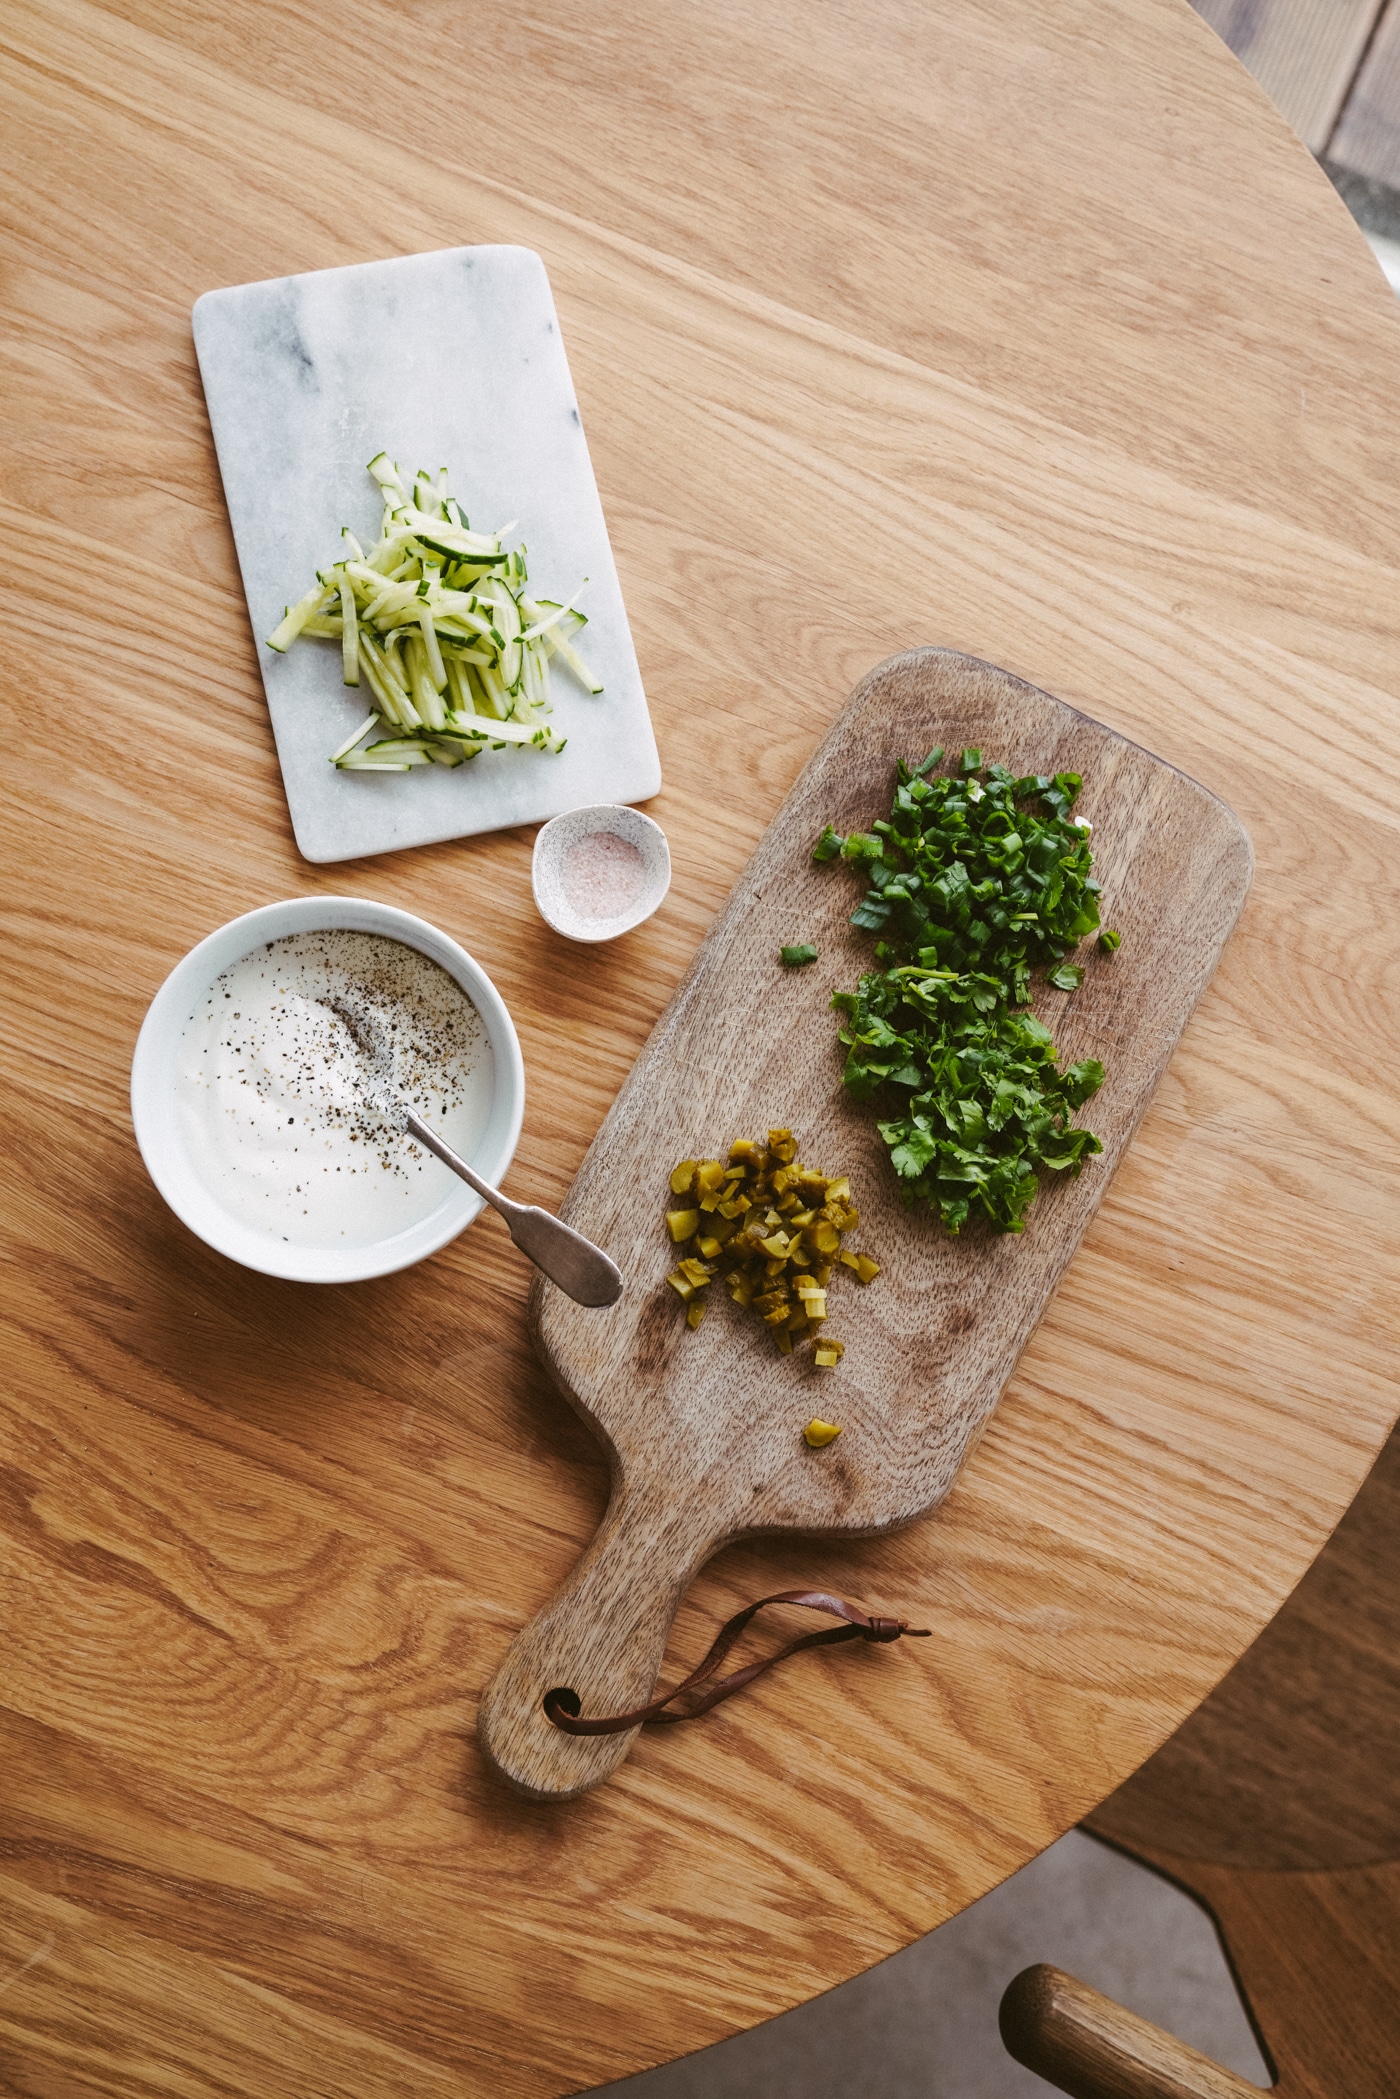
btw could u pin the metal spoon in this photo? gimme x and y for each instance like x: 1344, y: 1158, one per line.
x: 580, y: 1268
x: 567, y: 1258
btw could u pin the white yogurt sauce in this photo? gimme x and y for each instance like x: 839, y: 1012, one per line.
x: 276, y: 1096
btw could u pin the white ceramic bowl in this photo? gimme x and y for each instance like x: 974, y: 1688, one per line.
x: 556, y: 840
x: 156, y: 1064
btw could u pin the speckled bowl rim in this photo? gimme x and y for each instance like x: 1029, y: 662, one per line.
x: 624, y: 822
x: 155, y: 1062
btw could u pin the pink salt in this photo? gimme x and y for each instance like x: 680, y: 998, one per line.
x: 602, y: 875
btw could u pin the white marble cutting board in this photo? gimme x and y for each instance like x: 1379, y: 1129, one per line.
x: 451, y: 359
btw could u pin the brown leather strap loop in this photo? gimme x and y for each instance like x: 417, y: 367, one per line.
x: 563, y: 1706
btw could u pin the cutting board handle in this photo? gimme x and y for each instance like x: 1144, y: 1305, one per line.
x: 602, y: 1636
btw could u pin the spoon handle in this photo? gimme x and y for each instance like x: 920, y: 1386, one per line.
x: 581, y: 1269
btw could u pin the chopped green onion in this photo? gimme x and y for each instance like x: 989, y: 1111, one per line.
x: 975, y: 880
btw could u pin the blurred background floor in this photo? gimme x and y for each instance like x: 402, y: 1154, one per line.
x: 1333, y: 68
x: 923, y: 2025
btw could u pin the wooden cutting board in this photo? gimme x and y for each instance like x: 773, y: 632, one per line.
x: 704, y: 1429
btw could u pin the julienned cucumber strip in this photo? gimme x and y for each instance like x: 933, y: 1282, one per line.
x: 436, y: 622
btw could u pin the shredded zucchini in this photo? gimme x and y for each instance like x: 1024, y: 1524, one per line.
x: 436, y: 621
x: 772, y: 1228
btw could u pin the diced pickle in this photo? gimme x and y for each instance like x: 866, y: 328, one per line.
x: 769, y: 1227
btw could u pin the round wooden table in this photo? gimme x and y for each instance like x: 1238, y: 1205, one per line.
x: 1027, y: 330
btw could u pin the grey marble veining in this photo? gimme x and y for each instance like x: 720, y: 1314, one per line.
x: 451, y: 359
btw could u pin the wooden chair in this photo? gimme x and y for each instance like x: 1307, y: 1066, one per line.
x: 1277, y: 1804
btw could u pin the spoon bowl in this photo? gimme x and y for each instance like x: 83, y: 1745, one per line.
x: 580, y: 1268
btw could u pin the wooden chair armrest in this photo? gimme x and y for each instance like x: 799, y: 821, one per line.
x: 1092, y: 2048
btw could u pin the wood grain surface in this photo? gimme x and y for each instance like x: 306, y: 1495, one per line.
x: 1086, y: 2045
x: 1278, y: 1806
x: 1083, y: 2043
x: 704, y: 1430
x: 1292, y: 1765
x: 1048, y: 310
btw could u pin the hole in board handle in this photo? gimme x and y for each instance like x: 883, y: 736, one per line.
x: 562, y: 1699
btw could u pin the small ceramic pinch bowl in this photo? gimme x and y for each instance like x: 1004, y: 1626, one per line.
x: 169, y: 1154
x: 597, y: 872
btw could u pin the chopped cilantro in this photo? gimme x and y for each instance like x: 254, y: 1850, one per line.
x: 976, y: 880
x: 798, y: 957
x: 1109, y: 939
